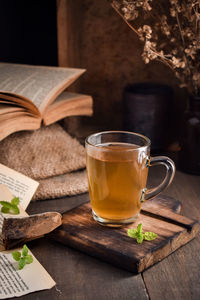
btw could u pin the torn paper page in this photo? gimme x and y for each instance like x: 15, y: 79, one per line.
x: 19, y: 185
x: 14, y: 283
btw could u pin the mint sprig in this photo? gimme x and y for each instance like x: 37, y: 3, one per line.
x: 139, y: 235
x: 23, y: 257
x: 10, y: 207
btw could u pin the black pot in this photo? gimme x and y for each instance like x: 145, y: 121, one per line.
x: 148, y: 110
x: 189, y: 156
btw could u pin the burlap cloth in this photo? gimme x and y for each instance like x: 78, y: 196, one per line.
x: 49, y: 155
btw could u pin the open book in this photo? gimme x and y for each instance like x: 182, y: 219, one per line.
x: 32, y: 95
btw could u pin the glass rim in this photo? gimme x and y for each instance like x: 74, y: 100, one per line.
x: 147, y: 141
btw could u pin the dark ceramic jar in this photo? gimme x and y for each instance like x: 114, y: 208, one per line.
x: 148, y: 110
x: 189, y: 156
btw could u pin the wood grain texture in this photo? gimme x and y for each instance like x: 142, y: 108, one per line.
x: 77, y: 275
x: 69, y: 18
x: 81, y: 232
x: 81, y: 277
x: 177, y: 277
x: 68, y: 32
x: 17, y: 231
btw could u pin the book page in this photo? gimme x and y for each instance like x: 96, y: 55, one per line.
x: 15, y: 283
x: 39, y: 84
x: 20, y: 122
x: 68, y: 104
x: 7, y: 109
x: 19, y: 185
x: 19, y: 101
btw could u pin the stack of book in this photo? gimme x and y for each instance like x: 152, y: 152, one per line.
x: 32, y: 98
x: 34, y: 95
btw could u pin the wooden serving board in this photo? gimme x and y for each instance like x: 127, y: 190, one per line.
x: 112, y: 245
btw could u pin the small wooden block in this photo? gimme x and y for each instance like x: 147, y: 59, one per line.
x: 18, y: 230
x: 112, y: 245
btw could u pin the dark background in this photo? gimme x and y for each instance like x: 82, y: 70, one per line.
x: 28, y: 32
x: 108, y: 50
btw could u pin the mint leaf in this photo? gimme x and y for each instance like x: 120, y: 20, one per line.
x: 139, y: 228
x: 16, y: 255
x: 22, y: 263
x: 14, y: 210
x: 24, y: 250
x: 15, y: 201
x: 139, y: 235
x: 29, y: 259
x: 9, y: 208
x: 132, y: 232
x: 5, y: 210
x: 22, y: 258
x: 150, y: 236
x: 6, y: 204
x: 139, y: 238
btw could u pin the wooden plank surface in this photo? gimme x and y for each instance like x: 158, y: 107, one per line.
x: 81, y: 232
x: 178, y: 276
x: 79, y: 276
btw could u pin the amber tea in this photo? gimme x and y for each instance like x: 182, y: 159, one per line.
x: 117, y: 168
x: 116, y: 180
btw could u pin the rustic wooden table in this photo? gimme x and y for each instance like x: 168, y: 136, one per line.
x: 79, y: 276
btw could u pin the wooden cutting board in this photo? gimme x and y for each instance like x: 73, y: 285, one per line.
x: 112, y: 245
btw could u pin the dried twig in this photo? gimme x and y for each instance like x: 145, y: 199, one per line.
x: 177, y: 23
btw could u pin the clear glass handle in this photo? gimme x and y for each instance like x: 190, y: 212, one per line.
x: 170, y: 172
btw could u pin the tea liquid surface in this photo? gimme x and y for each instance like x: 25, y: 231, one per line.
x: 117, y: 174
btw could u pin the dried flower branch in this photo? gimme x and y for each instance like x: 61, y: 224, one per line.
x: 170, y: 31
